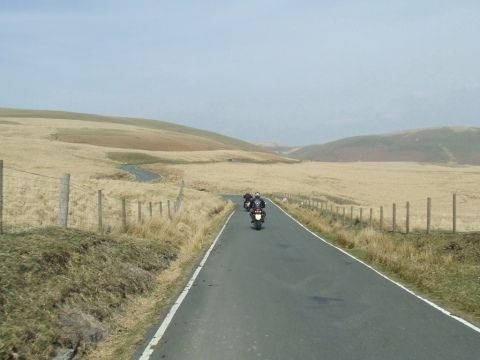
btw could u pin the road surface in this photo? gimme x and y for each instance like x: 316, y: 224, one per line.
x: 282, y: 293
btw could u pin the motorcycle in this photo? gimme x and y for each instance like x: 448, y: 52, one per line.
x: 258, y: 218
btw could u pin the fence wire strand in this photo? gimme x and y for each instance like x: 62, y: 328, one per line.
x: 32, y: 200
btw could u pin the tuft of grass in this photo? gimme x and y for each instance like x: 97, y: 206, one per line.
x: 444, y: 266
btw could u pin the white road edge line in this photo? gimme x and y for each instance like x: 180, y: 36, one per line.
x: 439, y: 308
x: 166, y: 322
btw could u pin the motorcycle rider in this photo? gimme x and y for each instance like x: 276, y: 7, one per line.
x: 247, y: 196
x: 257, y: 202
x: 247, y: 201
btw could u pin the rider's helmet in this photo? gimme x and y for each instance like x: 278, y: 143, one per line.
x: 257, y: 195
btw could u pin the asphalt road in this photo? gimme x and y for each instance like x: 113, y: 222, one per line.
x: 282, y: 293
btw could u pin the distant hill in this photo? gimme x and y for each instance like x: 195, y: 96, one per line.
x: 279, y: 149
x: 436, y: 145
x: 192, y: 138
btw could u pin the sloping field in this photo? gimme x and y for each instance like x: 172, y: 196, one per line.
x: 438, y: 145
x: 86, y: 149
x: 138, y: 139
x: 220, y: 141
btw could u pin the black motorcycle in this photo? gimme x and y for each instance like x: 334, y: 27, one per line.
x: 258, y: 218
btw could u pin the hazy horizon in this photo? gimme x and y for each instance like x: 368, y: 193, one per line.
x: 294, y: 73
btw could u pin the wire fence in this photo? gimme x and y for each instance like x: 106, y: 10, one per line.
x: 30, y: 200
x: 455, y: 212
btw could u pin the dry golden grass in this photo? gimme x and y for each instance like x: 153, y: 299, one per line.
x: 444, y: 266
x: 368, y: 184
x: 32, y: 201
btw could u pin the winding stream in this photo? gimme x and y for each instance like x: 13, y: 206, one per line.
x: 140, y: 174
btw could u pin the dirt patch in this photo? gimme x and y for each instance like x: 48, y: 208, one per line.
x: 140, y: 139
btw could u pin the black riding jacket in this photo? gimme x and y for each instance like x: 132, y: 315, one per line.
x: 257, y: 203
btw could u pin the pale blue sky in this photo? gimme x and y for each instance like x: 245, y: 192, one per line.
x: 294, y: 72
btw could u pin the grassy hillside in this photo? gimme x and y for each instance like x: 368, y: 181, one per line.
x: 52, y: 142
x: 78, y: 280
x: 438, y: 145
x: 217, y: 141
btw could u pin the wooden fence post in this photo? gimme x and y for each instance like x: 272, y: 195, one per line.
x: 394, y: 217
x: 361, y: 214
x: 407, y: 220
x: 371, y: 217
x: 169, y: 212
x: 124, y: 214
x: 343, y: 220
x: 381, y: 218
x: 150, y: 210
x: 100, y: 212
x: 454, y: 225
x: 64, y: 199
x: 1, y: 196
x: 429, y: 214
x: 161, y: 209
x: 139, y: 212
x: 351, y: 214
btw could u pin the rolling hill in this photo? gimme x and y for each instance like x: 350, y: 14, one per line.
x: 435, y: 145
x: 175, y: 137
x: 91, y: 146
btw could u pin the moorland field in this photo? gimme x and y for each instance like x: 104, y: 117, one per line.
x: 38, y: 147
x: 359, y: 184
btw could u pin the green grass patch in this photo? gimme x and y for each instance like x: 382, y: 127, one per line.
x: 6, y: 122
x: 60, y: 288
x: 134, y: 158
